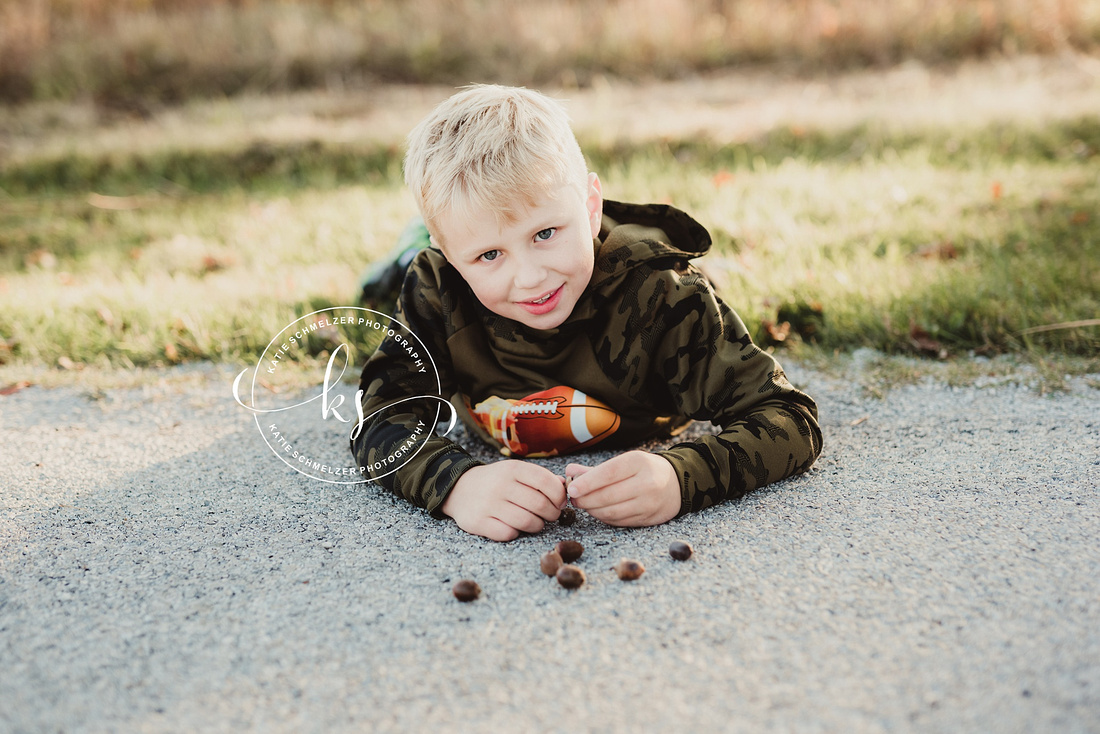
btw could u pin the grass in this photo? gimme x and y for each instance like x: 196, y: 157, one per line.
x: 926, y: 213
x: 902, y: 247
x: 135, y: 53
x: 930, y: 244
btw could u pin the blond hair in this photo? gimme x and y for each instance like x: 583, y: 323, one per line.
x: 494, y: 149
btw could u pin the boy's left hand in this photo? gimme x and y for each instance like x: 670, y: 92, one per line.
x: 630, y: 490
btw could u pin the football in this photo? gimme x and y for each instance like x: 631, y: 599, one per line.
x: 560, y: 420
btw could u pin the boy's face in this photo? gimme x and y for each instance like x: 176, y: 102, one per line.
x: 535, y: 269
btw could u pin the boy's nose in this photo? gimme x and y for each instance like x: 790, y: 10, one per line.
x: 529, y: 274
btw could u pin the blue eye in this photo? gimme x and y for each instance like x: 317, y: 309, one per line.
x: 490, y: 255
x: 545, y: 234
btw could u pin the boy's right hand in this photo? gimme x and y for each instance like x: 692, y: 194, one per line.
x: 500, y: 500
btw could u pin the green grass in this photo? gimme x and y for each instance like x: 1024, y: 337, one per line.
x: 909, y: 242
x: 904, y: 238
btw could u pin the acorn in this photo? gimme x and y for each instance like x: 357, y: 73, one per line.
x: 570, y: 576
x: 466, y: 590
x: 567, y: 517
x: 680, y: 550
x: 550, y: 562
x: 570, y: 550
x: 629, y: 569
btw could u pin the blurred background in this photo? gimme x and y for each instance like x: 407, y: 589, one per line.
x: 141, y: 51
x: 179, y: 179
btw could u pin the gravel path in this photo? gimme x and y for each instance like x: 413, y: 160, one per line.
x: 938, y: 570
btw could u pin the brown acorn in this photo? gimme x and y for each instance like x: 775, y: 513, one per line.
x: 466, y: 590
x: 550, y: 562
x: 680, y: 550
x: 567, y: 517
x: 570, y: 550
x: 629, y: 569
x: 570, y: 576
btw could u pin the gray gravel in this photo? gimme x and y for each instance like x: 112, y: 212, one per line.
x: 938, y: 570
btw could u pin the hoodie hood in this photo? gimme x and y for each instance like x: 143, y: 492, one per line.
x: 635, y: 233
x: 633, y: 236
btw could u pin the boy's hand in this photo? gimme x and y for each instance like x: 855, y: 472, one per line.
x: 631, y: 490
x: 500, y: 500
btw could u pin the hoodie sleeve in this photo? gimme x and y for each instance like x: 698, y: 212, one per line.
x: 393, y: 385
x: 706, y: 367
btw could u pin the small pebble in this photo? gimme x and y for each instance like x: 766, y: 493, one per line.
x: 570, y: 576
x: 629, y: 569
x: 569, y: 550
x: 680, y: 550
x: 466, y: 590
x: 550, y: 562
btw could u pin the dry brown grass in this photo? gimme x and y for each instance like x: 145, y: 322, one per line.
x: 125, y: 50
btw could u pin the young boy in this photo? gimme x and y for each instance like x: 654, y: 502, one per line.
x: 558, y: 321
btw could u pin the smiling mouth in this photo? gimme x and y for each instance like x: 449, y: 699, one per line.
x: 544, y: 299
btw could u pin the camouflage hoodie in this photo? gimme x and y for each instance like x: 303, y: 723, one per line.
x: 648, y: 348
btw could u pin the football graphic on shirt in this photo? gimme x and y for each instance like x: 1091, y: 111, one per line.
x: 546, y: 423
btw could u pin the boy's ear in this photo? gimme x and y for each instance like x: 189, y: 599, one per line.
x: 594, y: 203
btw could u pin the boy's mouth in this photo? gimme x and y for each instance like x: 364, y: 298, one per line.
x: 543, y: 304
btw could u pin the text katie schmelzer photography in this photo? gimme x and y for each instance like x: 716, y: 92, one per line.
x: 311, y: 435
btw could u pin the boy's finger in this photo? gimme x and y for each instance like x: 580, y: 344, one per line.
x: 541, y: 479
x: 544, y: 498
x: 572, y: 471
x: 520, y: 518
x: 606, y: 495
x: 609, y: 472
x: 622, y: 514
x: 494, y: 529
x: 554, y: 492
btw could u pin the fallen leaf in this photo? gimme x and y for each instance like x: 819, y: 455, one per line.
x: 211, y: 264
x: 1080, y: 217
x: 944, y: 250
x: 15, y: 387
x: 777, y: 333
x: 268, y: 386
x: 806, y: 318
x: 923, y: 342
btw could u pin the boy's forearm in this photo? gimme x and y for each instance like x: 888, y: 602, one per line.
x: 429, y: 467
x: 775, y: 441
x: 427, y: 479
